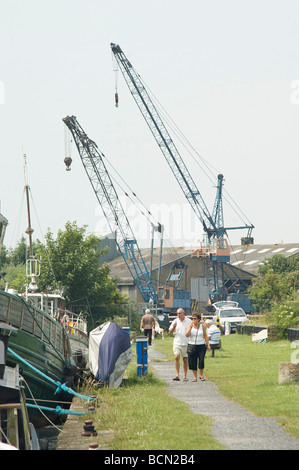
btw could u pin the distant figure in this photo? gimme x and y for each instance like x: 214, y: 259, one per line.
x: 158, y: 330
x: 213, y: 335
x: 147, y: 322
x: 178, y: 327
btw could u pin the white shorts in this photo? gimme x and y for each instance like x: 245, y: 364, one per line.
x: 180, y: 349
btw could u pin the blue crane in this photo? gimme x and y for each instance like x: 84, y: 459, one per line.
x: 213, y: 225
x: 93, y: 162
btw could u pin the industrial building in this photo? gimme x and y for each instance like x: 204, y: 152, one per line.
x: 179, y: 267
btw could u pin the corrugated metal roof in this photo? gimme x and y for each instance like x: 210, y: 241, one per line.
x: 251, y: 257
x: 119, y: 269
x: 245, y: 257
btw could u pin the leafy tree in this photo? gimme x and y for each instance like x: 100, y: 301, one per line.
x: 286, y: 314
x: 72, y: 262
x: 279, y: 264
x: 277, y: 291
x: 15, y: 276
x: 3, y: 256
x: 273, y: 288
x: 18, y: 255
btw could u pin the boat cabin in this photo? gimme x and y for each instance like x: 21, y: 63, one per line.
x: 48, y: 303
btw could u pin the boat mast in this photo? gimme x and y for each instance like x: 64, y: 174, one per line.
x: 3, y: 225
x: 32, y: 264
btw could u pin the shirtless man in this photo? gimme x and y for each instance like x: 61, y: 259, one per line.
x: 147, y: 322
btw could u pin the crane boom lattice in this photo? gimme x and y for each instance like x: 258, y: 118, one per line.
x: 93, y: 162
x: 164, y: 141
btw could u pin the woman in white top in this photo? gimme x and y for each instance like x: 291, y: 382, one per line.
x: 197, y: 345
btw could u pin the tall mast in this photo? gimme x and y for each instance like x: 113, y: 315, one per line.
x: 32, y: 265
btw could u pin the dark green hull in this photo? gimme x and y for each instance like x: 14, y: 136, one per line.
x: 42, y: 342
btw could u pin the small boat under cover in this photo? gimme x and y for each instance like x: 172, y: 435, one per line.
x: 110, y: 353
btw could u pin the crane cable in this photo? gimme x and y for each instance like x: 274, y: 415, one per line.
x: 182, y: 138
x: 171, y: 253
x: 115, y: 70
x: 206, y: 167
x: 143, y: 209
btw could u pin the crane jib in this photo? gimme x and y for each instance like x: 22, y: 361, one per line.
x: 213, y: 225
x: 164, y: 140
x: 117, y: 220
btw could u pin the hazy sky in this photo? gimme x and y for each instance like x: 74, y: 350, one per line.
x: 227, y: 72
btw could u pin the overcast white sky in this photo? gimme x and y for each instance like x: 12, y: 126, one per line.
x: 226, y: 71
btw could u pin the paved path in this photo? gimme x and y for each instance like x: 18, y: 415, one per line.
x: 233, y: 426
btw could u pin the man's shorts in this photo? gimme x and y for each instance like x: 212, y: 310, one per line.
x: 179, y: 349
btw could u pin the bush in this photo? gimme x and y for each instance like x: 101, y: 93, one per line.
x: 286, y: 315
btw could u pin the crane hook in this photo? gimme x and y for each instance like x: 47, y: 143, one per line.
x: 68, y: 162
x: 116, y: 99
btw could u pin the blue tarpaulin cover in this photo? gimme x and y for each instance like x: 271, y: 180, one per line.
x: 109, y: 353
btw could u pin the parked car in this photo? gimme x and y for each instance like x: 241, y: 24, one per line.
x: 229, y: 312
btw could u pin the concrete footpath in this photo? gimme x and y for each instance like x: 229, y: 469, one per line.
x: 233, y: 426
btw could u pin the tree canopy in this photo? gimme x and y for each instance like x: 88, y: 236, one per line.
x: 72, y: 261
x: 276, y: 291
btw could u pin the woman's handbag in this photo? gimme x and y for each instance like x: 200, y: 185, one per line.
x: 191, y: 348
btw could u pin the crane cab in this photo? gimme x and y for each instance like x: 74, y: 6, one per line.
x: 219, y: 250
x: 170, y: 298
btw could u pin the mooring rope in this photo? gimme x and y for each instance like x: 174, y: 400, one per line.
x: 59, y: 385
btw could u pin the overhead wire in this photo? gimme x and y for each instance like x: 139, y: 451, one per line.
x: 169, y: 251
x: 206, y: 167
x: 115, y: 70
x: 143, y: 209
x: 42, y: 235
x: 16, y: 229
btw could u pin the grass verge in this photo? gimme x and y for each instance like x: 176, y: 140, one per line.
x: 247, y: 373
x: 144, y: 417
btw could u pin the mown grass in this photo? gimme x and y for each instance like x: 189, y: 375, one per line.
x: 247, y: 373
x: 144, y: 417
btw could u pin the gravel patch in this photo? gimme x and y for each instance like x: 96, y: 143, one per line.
x: 233, y: 426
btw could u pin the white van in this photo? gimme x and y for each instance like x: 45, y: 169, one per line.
x: 229, y: 312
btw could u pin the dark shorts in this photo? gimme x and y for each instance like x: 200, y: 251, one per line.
x: 196, y: 356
